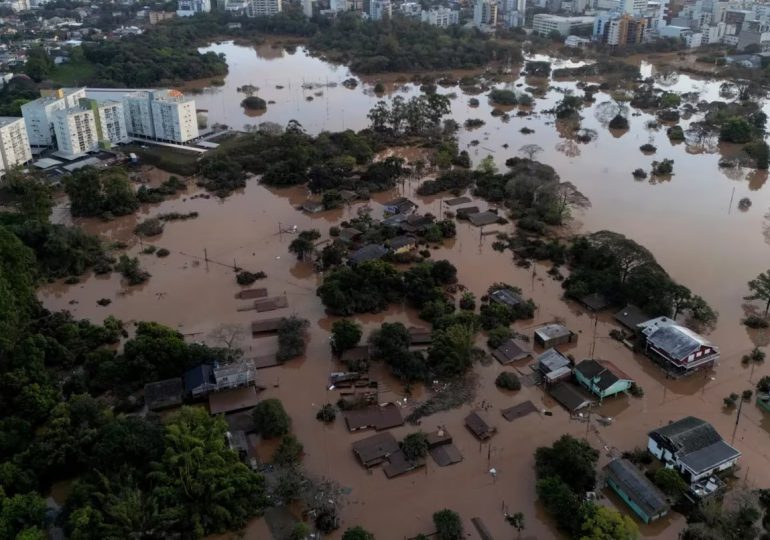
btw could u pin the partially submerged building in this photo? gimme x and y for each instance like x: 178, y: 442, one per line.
x: 374, y: 450
x: 569, y: 396
x: 164, y: 394
x: 369, y: 252
x: 602, y: 378
x: 506, y: 297
x: 636, y: 490
x: 478, y: 424
x: 512, y: 350
x: 554, y: 366
x: 693, y: 447
x: 399, y: 205
x: 552, y: 335
x: 677, y: 348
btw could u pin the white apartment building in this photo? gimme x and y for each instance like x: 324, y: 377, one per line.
x: 188, y: 8
x: 633, y: 7
x: 485, y: 14
x: 441, y: 17
x: 263, y: 8
x: 110, y: 121
x: 14, y: 144
x: 380, y: 9
x: 307, y: 8
x: 38, y: 114
x: 410, y: 9
x: 545, y: 23
x: 76, y: 132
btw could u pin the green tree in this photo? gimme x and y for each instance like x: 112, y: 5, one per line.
x: 760, y: 289
x: 270, y: 418
x: 736, y: 130
x: 451, y: 352
x: 670, y: 482
x: 448, y: 524
x: 17, y: 293
x: 606, y: 524
x: 570, y: 459
x: 94, y: 193
x: 516, y: 520
x: 31, y: 195
x: 415, y: 446
x: 200, y: 483
x: 300, y: 532
x: 357, y: 533
x: 332, y: 199
x: 304, y: 244
x: 288, y: 452
x: 39, y: 64
x: 346, y: 334
x: 562, y: 503
x: 291, y: 338
x: 21, y: 513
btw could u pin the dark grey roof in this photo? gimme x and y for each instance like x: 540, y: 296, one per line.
x: 162, y: 394
x: 551, y: 331
x: 674, y: 340
x: 710, y: 457
x: 638, y: 488
x: 479, y: 426
x: 400, y: 205
x: 569, y: 396
x: 688, y: 435
x: 511, y: 350
x: 603, y: 374
x: 198, y: 376
x: 349, y: 233
x: 394, y: 221
x: 401, y: 241
x: 457, y: 200
x: 369, y: 252
x: 631, y: 316
x: 552, y: 360
x: 595, y: 302
x: 480, y: 219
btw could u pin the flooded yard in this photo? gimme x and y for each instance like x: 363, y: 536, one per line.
x: 691, y: 223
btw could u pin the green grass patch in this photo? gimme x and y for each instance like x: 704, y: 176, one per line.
x: 172, y: 160
x: 76, y: 73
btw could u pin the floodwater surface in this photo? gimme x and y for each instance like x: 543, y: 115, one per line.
x: 690, y: 222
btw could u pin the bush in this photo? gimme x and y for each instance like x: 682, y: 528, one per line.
x: 619, y: 122
x: 730, y: 401
x: 636, y: 390
x: 327, y: 414
x: 288, y: 452
x: 415, y: 446
x: 468, y: 301
x: 675, y: 133
x: 448, y: 524
x: 508, y: 380
x: 648, y: 148
x: 503, y: 97
x: 291, y: 338
x: 662, y: 168
x: 247, y: 278
x: 764, y: 384
x: 759, y: 151
x: 755, y: 321
x: 270, y: 418
x: 130, y: 269
x: 149, y: 227
x: 498, y: 336
x: 639, y: 173
x: 162, y: 252
x: 254, y: 103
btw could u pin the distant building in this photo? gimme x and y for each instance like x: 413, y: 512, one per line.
x: 485, y: 14
x: 576, y: 42
x: 380, y: 9
x: 545, y: 23
x: 620, y: 30
x: 307, y: 8
x: 442, y: 17
x: 410, y: 9
x: 75, y: 131
x: 693, y: 447
x: 158, y: 16
x: 188, y: 8
x: 633, y: 7
x: 264, y: 8
x: 14, y: 143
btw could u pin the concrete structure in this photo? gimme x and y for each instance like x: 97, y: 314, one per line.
x: 263, y: 8
x: 380, y: 9
x: 75, y: 131
x: 620, y: 30
x: 636, y: 490
x: 602, y: 378
x: 14, y: 143
x: 576, y: 42
x: 693, y: 447
x: 441, y: 17
x: 110, y: 121
x: 545, y: 23
x: 485, y: 14
x: 552, y: 335
x: 164, y: 115
x: 554, y: 366
x: 633, y: 7
x: 307, y: 8
x: 188, y: 8
x: 38, y: 114
x: 680, y: 350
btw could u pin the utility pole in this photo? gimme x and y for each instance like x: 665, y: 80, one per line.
x: 737, y: 419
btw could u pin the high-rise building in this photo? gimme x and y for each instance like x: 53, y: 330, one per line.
x: 545, y: 23
x: 165, y: 115
x: 188, y: 8
x: 110, y: 121
x: 38, y: 114
x: 263, y: 8
x: 14, y: 144
x: 76, y: 132
x: 485, y: 14
x: 441, y: 17
x: 307, y: 8
x: 633, y: 7
x: 380, y: 9
x: 620, y: 30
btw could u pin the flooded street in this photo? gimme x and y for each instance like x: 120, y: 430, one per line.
x: 691, y: 223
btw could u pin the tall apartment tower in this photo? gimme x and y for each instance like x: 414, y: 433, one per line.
x: 76, y: 132
x: 263, y: 8
x: 38, y: 114
x: 14, y: 143
x: 485, y: 14
x: 188, y: 8
x: 165, y: 115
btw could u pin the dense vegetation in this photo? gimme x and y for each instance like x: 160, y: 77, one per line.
x: 565, y: 472
x: 105, y: 193
x: 402, y: 44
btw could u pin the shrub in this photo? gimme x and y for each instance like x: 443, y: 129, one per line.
x: 675, y: 133
x: 755, y: 321
x: 288, y: 452
x: 619, y: 122
x: 415, y: 446
x: 498, y: 336
x: 730, y: 401
x: 648, y: 148
x: 508, y: 380
x: 503, y: 97
x: 270, y: 418
x: 639, y: 173
x: 327, y: 414
x: 149, y: 227
x: 130, y: 269
x: 636, y: 390
x: 254, y: 103
x: 162, y: 252
x: 662, y: 168
x: 247, y: 278
x: 764, y: 384
x: 468, y: 301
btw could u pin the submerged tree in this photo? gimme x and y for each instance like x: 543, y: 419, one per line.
x: 760, y: 289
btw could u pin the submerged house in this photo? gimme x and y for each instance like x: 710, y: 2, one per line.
x: 602, y: 378
x: 400, y: 205
x: 554, y: 366
x: 636, y: 490
x: 370, y: 252
x: 506, y: 297
x: 680, y: 350
x: 552, y: 335
x: 693, y: 447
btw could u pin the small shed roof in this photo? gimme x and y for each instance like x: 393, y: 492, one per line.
x: 478, y: 424
x: 265, y: 326
x: 466, y: 211
x: 370, y: 252
x: 551, y: 360
x: 505, y: 296
x: 480, y: 219
x: 445, y: 455
x: 637, y: 486
x: 457, y: 200
x: 595, y: 302
x: 517, y: 411
x: 402, y: 241
x: 376, y: 416
x: 631, y: 317
x: 512, y: 350
x: 419, y: 335
x: 348, y: 234
x: 233, y: 400
x: 569, y: 396
x: 552, y: 331
x: 398, y: 464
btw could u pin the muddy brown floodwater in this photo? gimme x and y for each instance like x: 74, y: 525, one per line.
x: 690, y: 222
